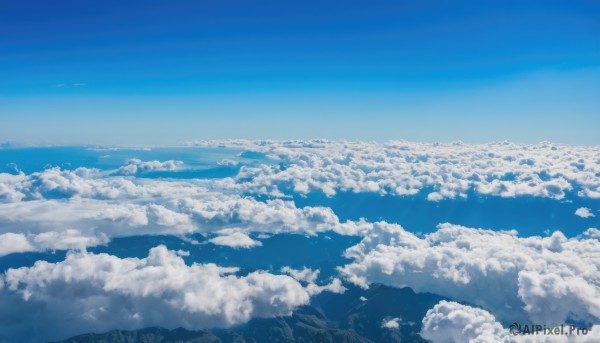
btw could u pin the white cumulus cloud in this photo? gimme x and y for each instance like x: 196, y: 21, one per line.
x: 14, y: 243
x: 309, y: 277
x: 104, y: 205
x: 393, y: 323
x: 407, y: 168
x: 451, y: 322
x: 98, y: 292
x: 548, y: 280
x: 584, y: 212
x: 234, y: 239
x: 134, y: 166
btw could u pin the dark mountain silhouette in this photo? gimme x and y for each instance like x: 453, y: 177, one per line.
x: 353, y: 317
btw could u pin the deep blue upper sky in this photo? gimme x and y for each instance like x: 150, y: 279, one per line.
x: 162, y: 72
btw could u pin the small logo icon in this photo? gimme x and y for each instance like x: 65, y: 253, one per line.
x: 515, y: 329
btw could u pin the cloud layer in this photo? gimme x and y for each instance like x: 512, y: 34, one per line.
x: 98, y: 292
x: 548, y: 280
x: 444, y: 171
x: 96, y: 205
x: 90, y: 207
x: 451, y: 322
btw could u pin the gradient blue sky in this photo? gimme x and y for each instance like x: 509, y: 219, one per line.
x: 165, y: 72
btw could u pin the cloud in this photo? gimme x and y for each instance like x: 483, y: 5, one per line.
x: 406, y: 168
x: 14, y: 243
x: 102, y: 204
x: 393, y: 323
x: 116, y: 203
x: 99, y: 292
x: 56, y: 183
x: 7, y: 192
x: 92, y: 218
x: 66, y: 240
x: 69, y: 239
x: 308, y: 277
x: 451, y: 322
x: 548, y: 280
x: 206, y: 214
x: 305, y: 274
x: 584, y: 212
x: 228, y: 162
x: 234, y: 239
x: 592, y: 233
x: 134, y: 166
x: 274, y: 216
x: 434, y: 196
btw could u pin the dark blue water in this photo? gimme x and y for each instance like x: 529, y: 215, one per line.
x: 528, y: 215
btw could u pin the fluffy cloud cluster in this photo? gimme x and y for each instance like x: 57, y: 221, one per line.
x: 77, y: 223
x: 98, y: 292
x: 14, y: 243
x: 100, y: 204
x: 234, y: 238
x: 93, y: 205
x: 584, y: 212
x: 52, y: 240
x: 135, y: 165
x: 273, y: 216
x: 309, y: 277
x: 56, y: 183
x: 407, y: 168
x: 592, y: 233
x: 548, y: 280
x: 450, y: 322
x: 393, y: 323
x: 230, y: 217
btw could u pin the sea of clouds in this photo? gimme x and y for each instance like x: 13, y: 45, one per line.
x: 501, y: 276
x: 542, y: 279
x: 406, y: 168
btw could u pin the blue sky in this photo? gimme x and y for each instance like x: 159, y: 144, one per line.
x: 164, y: 72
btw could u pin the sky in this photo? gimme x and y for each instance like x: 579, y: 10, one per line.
x: 167, y: 72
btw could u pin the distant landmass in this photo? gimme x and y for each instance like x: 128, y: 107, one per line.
x: 357, y: 316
